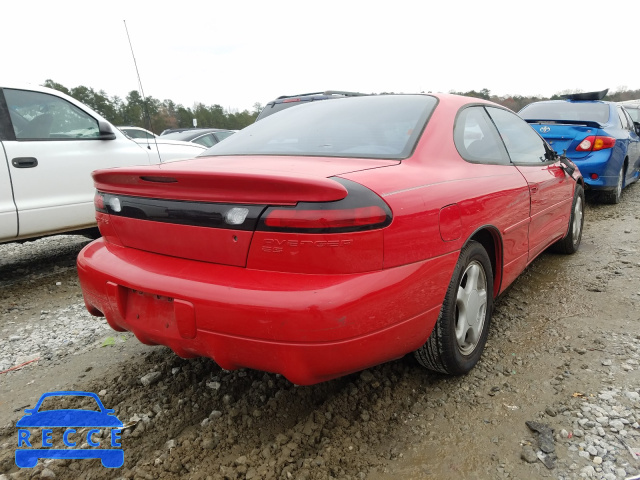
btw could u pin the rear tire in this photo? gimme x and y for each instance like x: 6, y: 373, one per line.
x: 615, y: 195
x: 458, y: 338
x: 571, y: 242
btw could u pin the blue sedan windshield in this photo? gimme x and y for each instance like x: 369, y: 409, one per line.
x: 573, y: 111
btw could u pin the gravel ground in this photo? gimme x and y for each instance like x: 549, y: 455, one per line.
x: 556, y: 394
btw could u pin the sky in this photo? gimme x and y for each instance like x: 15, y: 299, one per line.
x: 238, y: 53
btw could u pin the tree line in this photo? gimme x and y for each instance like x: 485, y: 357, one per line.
x: 153, y: 114
x: 156, y: 115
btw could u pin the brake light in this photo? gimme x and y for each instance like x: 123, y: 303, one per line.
x: 593, y: 143
x: 360, y: 210
x: 98, y: 202
x: 290, y: 100
x: 355, y: 217
x: 105, y: 203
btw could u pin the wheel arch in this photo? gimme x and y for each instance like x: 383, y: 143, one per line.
x: 490, y: 238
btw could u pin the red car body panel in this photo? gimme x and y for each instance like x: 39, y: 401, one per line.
x: 243, y: 180
x: 314, y: 306
x: 309, y: 329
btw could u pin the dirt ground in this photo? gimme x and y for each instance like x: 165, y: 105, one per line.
x: 563, y: 351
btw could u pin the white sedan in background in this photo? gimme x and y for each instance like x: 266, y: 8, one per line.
x: 136, y: 133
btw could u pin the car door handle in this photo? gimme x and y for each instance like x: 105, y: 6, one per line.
x: 24, y: 162
x: 533, y: 188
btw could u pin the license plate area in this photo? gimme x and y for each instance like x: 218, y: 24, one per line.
x: 156, y: 316
x: 155, y: 312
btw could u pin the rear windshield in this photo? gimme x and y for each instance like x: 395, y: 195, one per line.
x: 575, y: 111
x: 385, y: 126
x: 223, y: 135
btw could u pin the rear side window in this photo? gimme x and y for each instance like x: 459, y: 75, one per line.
x: 634, y: 113
x: 524, y: 145
x: 477, y: 139
x: 223, y: 135
x: 207, y: 140
x: 40, y: 116
x: 384, y: 126
x: 139, y: 134
x: 573, y: 111
x: 623, y: 119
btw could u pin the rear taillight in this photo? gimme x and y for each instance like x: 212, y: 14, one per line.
x: 593, y: 143
x: 98, y: 201
x: 106, y: 203
x: 360, y: 210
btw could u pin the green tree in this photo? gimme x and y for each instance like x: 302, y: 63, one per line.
x: 56, y: 86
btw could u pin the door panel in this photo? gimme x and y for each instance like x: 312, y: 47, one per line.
x: 51, y: 157
x: 633, y: 150
x: 57, y: 194
x: 551, y: 196
x: 501, y: 194
x: 8, y: 214
x: 551, y: 190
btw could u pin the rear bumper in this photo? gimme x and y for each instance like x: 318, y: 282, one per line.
x: 310, y: 328
x: 602, y: 164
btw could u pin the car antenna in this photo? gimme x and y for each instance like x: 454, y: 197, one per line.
x: 145, y: 110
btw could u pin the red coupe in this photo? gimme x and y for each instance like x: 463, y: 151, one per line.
x: 333, y: 236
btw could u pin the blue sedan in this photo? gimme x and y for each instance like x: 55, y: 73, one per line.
x: 600, y: 137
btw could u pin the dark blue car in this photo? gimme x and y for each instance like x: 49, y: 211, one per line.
x: 600, y: 137
x: 40, y: 446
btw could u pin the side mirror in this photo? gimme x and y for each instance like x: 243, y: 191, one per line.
x: 550, y: 154
x: 567, y: 165
x: 637, y: 126
x: 105, y: 131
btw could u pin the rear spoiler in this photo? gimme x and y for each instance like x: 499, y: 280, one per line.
x: 586, y: 96
x: 585, y: 123
x: 206, y: 184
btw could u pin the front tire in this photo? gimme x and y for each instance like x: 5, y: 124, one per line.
x: 571, y: 242
x: 458, y: 338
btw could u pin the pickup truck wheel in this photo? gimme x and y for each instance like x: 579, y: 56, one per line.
x: 571, y: 242
x: 458, y: 338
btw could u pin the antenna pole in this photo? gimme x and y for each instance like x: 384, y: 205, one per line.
x: 145, y: 110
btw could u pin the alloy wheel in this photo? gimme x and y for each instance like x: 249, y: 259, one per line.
x: 471, y: 307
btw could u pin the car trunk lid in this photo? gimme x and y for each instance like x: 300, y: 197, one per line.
x: 566, y: 135
x: 206, y: 209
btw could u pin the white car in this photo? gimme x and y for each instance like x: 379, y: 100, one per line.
x: 136, y: 133
x: 633, y: 109
x: 50, y: 144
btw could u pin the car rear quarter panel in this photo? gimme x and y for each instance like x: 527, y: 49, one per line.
x: 435, y: 177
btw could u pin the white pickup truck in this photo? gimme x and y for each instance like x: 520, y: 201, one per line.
x: 49, y: 145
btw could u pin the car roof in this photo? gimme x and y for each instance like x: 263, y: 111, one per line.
x: 631, y: 104
x: 318, y: 95
x: 286, y: 101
